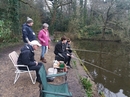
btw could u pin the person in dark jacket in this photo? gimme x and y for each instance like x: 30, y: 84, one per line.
x: 60, y: 50
x: 26, y: 57
x: 69, y: 51
x: 27, y: 32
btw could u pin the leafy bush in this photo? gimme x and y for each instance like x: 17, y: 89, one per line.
x: 5, y: 31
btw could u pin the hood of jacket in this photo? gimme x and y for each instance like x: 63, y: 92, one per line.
x: 27, y: 47
x: 25, y: 25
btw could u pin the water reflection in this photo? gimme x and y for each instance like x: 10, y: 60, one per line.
x: 112, y: 56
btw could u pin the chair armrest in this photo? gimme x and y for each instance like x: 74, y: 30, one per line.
x: 56, y: 93
x: 55, y: 75
x: 21, y: 65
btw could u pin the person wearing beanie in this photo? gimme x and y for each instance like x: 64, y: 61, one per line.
x: 44, y: 39
x: 27, y: 32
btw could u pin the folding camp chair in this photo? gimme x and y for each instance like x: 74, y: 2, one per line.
x: 51, y: 90
x: 14, y: 57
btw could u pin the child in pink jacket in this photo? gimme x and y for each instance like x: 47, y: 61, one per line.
x: 44, y: 39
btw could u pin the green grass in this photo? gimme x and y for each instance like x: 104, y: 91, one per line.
x: 87, y: 86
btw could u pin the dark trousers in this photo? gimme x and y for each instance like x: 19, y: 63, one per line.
x: 36, y: 68
x: 68, y: 63
x: 62, y: 57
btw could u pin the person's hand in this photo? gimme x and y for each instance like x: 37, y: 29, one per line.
x: 72, y: 56
x: 29, y: 42
x: 68, y: 54
x: 67, y: 48
x: 36, y: 63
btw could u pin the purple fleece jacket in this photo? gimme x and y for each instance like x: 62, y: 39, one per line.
x: 43, y: 37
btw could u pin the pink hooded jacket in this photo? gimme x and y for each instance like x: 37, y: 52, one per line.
x: 43, y: 37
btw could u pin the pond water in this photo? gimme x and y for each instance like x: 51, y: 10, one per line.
x: 113, y: 78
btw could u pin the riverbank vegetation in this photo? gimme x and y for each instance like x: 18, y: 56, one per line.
x: 86, y: 83
x: 83, y: 19
x: 87, y: 86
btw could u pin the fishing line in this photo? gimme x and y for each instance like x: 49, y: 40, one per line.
x: 89, y: 51
x: 96, y: 66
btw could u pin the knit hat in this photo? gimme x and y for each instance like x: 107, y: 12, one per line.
x: 29, y: 20
x: 35, y: 42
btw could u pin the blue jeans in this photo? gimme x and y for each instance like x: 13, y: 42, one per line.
x: 43, y: 51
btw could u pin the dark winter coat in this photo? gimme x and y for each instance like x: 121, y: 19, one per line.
x: 60, y: 48
x: 26, y: 56
x: 68, y: 46
x: 28, y: 33
x: 61, y: 52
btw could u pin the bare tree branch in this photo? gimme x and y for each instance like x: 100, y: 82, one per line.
x: 64, y: 4
x: 48, y: 7
x: 27, y: 4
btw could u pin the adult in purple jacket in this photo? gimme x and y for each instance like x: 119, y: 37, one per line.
x: 44, y: 39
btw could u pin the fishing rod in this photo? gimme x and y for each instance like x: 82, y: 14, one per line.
x: 96, y: 66
x: 88, y: 51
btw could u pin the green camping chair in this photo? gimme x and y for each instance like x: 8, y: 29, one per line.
x: 51, y: 90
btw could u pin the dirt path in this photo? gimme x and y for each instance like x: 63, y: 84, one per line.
x: 24, y: 86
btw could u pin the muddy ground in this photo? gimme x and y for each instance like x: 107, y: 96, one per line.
x: 24, y: 87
